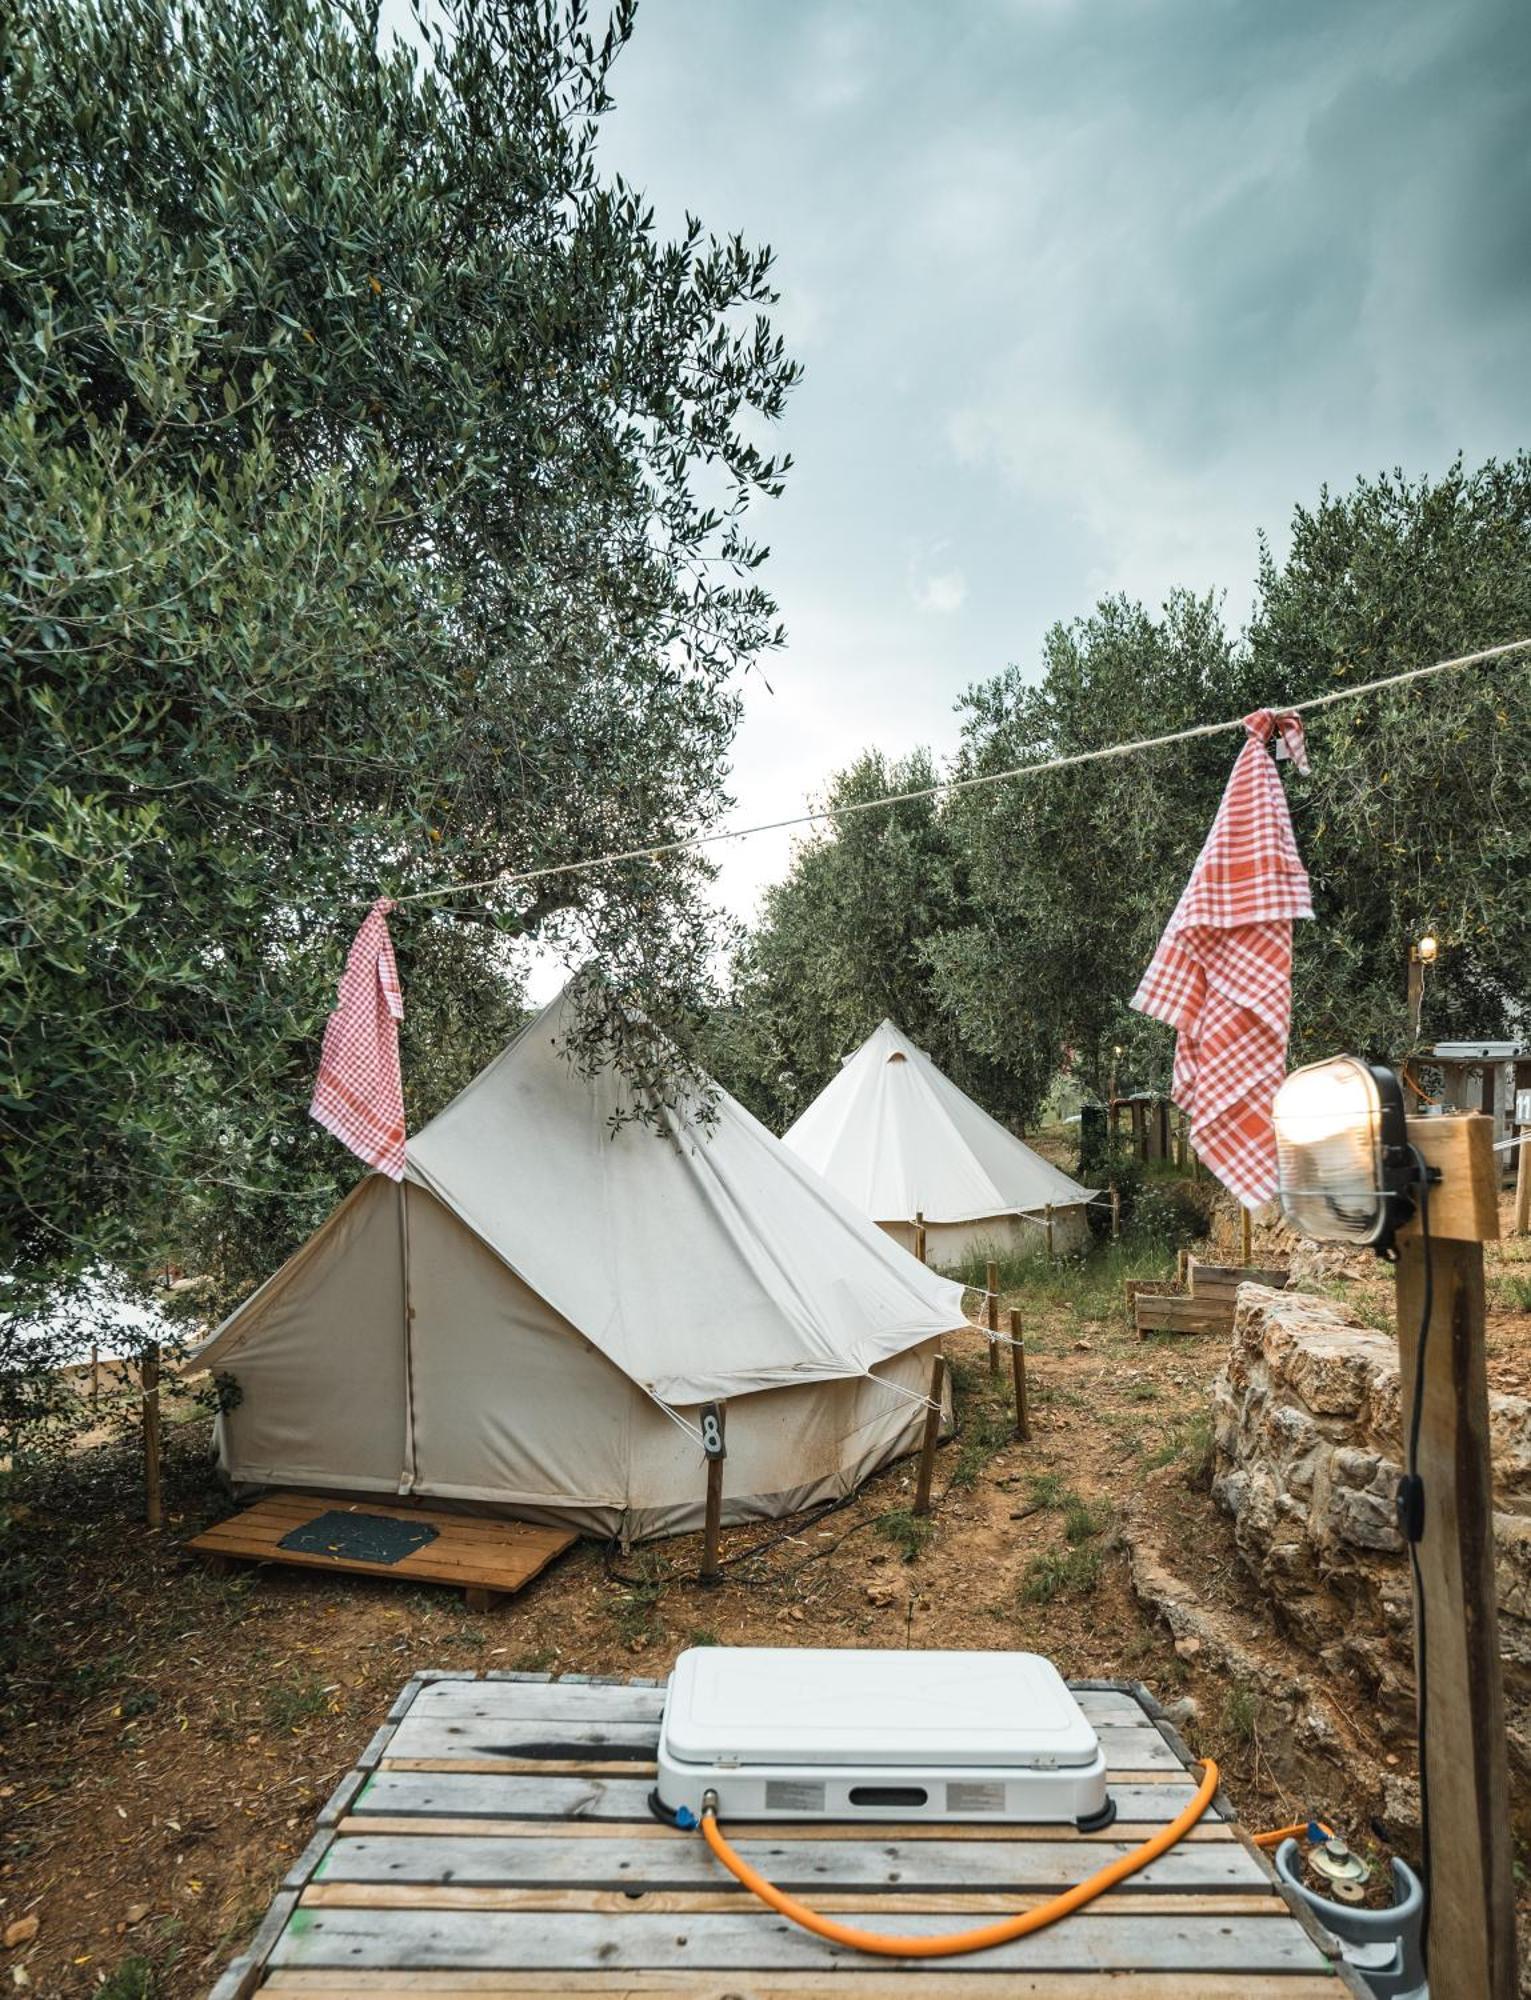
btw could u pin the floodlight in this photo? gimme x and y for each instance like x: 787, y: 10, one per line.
x: 1347, y: 1171
x: 1426, y: 949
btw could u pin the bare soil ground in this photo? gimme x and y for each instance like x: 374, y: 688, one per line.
x: 169, y: 1736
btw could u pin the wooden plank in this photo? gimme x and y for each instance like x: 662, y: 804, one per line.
x: 239, y: 1534
x: 557, y: 1767
x: 1465, y: 1206
x: 280, y: 1517
x: 1216, y: 1831
x: 432, y: 1730
x: 973, y: 1904
x: 404, y: 1794
x: 298, y: 1507
x: 460, y: 1575
x: 539, y: 1701
x: 873, y: 1983
x: 1168, y: 1314
x: 603, y: 1708
x: 1472, y: 1900
x: 801, y: 1866
x: 489, y: 1743
x: 390, y: 1939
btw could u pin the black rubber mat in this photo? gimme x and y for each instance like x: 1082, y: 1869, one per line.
x: 368, y: 1538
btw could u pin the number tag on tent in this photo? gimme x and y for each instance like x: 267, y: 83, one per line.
x: 712, y: 1431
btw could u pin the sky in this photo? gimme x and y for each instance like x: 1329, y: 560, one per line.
x: 1087, y: 292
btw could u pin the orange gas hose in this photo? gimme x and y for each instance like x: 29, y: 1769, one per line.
x: 989, y: 1935
x: 1277, y: 1834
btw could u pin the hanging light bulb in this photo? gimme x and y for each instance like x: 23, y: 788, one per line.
x: 1347, y: 1172
x: 1425, y: 950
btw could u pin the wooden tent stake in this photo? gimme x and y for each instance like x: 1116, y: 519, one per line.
x: 1246, y: 1237
x: 991, y: 1316
x: 148, y: 1375
x: 931, y: 1433
x: 1018, y: 1369
x: 713, y: 1416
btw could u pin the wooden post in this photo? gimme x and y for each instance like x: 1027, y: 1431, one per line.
x: 148, y: 1374
x: 1416, y: 994
x: 1018, y: 1368
x: 919, y: 1234
x: 95, y: 1374
x: 991, y: 1316
x: 1246, y: 1237
x: 1048, y: 1214
x: 928, y: 1440
x: 1523, y: 1184
x: 1456, y: 1623
x: 1182, y: 1268
x: 714, y: 1444
x: 1116, y: 1213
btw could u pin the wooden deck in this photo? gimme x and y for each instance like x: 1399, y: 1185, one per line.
x: 484, y: 1558
x: 495, y: 1840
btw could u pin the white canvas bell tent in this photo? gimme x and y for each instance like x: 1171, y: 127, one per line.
x: 534, y: 1315
x: 897, y: 1138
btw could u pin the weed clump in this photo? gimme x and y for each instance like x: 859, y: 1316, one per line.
x: 909, y: 1533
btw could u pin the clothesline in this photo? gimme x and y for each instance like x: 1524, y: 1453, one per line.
x: 653, y: 851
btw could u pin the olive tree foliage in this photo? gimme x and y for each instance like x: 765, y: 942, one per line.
x: 841, y: 944
x: 375, y: 493
x: 1069, y: 868
x: 1417, y: 814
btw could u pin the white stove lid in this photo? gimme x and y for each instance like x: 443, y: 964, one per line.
x: 764, y: 1705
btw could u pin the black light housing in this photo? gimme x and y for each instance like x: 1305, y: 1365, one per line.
x: 1347, y: 1171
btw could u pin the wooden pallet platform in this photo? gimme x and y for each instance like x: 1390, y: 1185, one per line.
x: 495, y: 1840
x: 485, y: 1558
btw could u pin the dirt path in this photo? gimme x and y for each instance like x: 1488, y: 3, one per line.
x: 170, y: 1736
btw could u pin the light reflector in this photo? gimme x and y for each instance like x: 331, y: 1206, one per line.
x: 1346, y: 1172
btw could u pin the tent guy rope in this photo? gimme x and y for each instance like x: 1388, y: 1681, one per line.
x: 653, y: 850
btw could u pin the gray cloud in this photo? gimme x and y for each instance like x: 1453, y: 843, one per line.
x: 1088, y: 290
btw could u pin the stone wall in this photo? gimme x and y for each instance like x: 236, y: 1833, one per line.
x: 1308, y: 1439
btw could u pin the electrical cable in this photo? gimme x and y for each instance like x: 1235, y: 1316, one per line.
x: 987, y: 1936
x: 1411, y: 1509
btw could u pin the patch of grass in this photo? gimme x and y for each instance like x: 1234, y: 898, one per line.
x: 1241, y: 1713
x: 985, y: 1420
x: 909, y: 1533
x: 636, y: 1609
x: 535, y: 1662
x: 1191, y: 1441
x: 1515, y: 1292
x: 1047, y: 1489
x: 134, y: 1979
x: 1142, y: 1392
x: 703, y: 1636
x: 289, y: 1704
x: 1083, y: 1520
x: 1072, y: 1572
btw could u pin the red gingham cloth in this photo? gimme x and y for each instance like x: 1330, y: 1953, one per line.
x: 1222, y: 975
x: 359, y: 1095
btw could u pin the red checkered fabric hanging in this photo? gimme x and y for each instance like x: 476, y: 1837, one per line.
x: 359, y: 1095
x: 1222, y: 975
